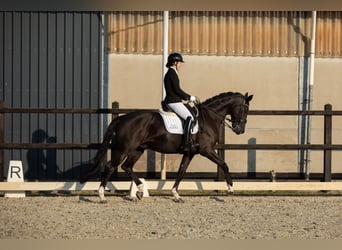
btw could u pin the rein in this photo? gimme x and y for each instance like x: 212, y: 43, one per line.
x: 226, y: 124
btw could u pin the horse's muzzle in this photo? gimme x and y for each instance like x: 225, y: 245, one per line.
x: 238, y: 130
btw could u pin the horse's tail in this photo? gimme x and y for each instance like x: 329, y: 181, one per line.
x: 101, y: 153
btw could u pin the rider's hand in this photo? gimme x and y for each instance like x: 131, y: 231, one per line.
x: 192, y: 98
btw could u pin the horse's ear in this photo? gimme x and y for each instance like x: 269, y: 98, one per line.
x: 248, y: 98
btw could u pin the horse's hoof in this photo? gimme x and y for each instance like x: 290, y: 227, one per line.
x: 179, y: 200
x: 230, y: 190
x: 139, y: 195
x: 103, y: 201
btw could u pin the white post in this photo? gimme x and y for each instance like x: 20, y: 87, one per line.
x: 312, y: 49
x: 165, y: 47
x: 311, y: 85
x: 164, y: 61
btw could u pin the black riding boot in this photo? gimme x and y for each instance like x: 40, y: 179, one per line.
x: 187, y: 142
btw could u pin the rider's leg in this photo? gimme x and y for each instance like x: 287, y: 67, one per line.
x: 187, y: 142
x: 186, y: 115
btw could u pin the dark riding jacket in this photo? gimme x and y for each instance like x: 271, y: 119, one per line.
x: 173, y: 91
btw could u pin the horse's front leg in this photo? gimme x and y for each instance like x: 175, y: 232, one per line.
x: 180, y: 174
x: 213, y: 156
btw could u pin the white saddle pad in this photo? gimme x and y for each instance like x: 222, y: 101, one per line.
x: 173, y: 123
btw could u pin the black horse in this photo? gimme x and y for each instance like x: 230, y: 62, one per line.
x: 134, y: 132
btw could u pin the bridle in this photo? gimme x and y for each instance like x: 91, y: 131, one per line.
x: 237, y: 122
x: 232, y: 123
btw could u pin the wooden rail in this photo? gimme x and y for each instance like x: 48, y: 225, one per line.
x: 326, y: 146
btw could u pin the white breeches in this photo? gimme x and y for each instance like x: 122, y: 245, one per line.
x: 181, y: 110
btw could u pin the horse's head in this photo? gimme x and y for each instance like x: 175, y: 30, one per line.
x: 239, y: 113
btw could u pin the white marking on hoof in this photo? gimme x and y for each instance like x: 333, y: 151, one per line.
x: 230, y: 189
x: 175, y: 194
x: 101, y: 195
x: 180, y: 200
x: 141, y: 187
x: 139, y: 195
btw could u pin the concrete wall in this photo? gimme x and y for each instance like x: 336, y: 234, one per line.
x: 327, y: 89
x: 136, y: 82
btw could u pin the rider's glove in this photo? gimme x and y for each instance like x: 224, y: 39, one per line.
x: 192, y: 98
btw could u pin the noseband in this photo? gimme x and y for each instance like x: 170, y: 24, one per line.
x: 237, y: 122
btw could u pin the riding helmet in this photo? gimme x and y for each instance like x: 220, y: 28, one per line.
x: 174, y: 57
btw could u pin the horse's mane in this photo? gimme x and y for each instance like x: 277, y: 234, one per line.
x: 220, y: 96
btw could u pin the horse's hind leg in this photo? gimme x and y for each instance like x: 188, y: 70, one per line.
x: 109, y: 169
x: 127, y: 166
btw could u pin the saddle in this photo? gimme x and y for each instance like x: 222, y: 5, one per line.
x: 173, y: 123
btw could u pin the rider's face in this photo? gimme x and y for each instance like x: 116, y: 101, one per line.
x: 178, y: 65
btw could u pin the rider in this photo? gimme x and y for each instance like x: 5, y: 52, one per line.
x: 175, y: 95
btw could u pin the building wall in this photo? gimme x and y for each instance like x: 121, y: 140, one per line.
x: 264, y: 53
x: 327, y: 89
x: 51, y: 60
x: 135, y: 81
x: 226, y: 33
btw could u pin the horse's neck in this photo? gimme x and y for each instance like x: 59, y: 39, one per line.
x: 212, y: 114
x: 220, y: 111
